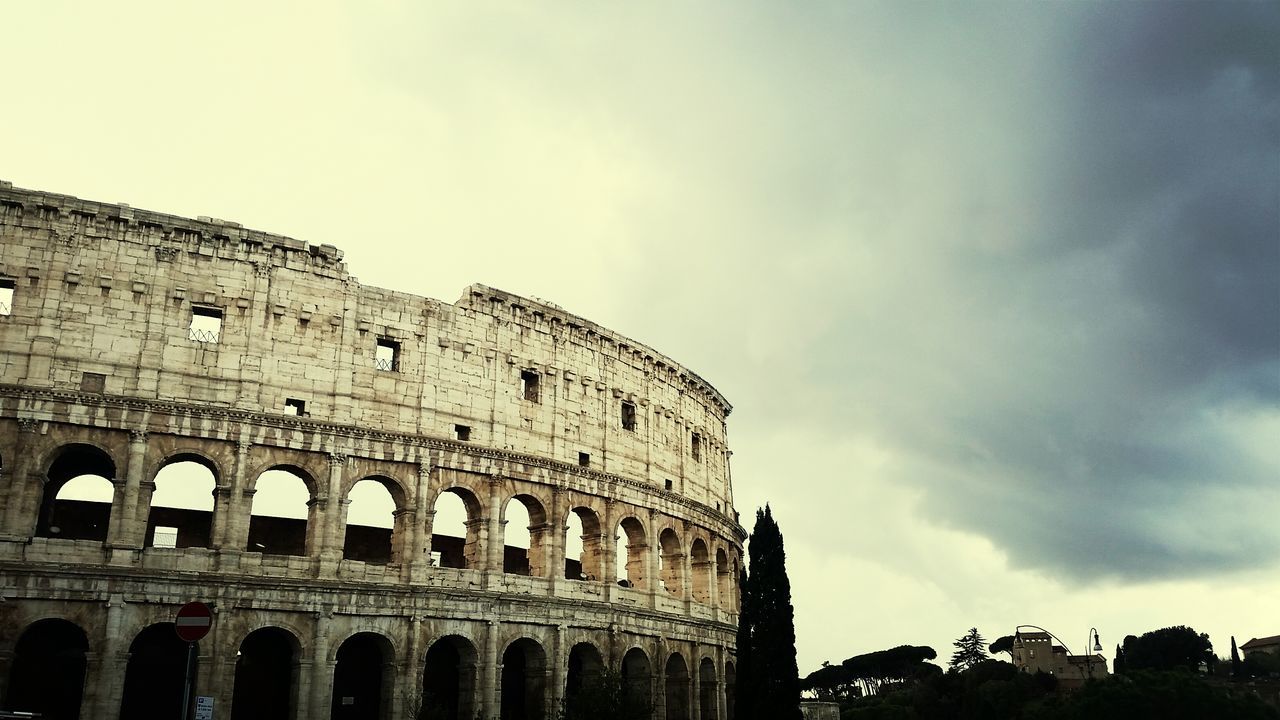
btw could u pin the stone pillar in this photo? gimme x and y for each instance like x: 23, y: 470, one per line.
x: 417, y: 551
x: 238, y: 510
x: 331, y: 514
x: 408, y: 693
x: 608, y: 549
x: 26, y: 486
x: 497, y: 535
x: 654, y: 581
x: 321, y: 675
x: 111, y: 663
x: 218, y: 665
x: 559, y: 671
x: 123, y: 532
x: 490, y: 666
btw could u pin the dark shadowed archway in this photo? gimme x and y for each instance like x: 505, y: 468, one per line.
x: 48, y: 670
x: 637, y: 676
x: 266, y: 671
x: 524, y: 681
x: 449, y: 680
x: 585, y: 666
x: 677, y: 688
x: 361, y: 682
x: 154, y: 677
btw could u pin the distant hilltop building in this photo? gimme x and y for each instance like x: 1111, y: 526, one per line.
x: 135, y: 344
x: 1035, y: 652
x: 1262, y: 645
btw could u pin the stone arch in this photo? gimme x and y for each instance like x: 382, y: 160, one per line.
x: 582, y: 669
x: 588, y: 565
x: 266, y: 674
x: 184, y: 517
x: 281, y: 521
x: 724, y: 579
x: 708, y: 697
x: 373, y: 520
x: 671, y: 555
x: 703, y: 571
x: 637, y: 676
x: 677, y: 687
x: 449, y: 679
x: 730, y: 690
x: 47, y: 672
x: 534, y: 562
x: 631, y: 546
x: 363, y: 677
x: 60, y: 515
x: 450, y: 550
x: 155, y: 673
x: 524, y: 680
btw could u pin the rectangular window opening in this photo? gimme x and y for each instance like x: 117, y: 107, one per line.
x: 93, y: 382
x: 463, y: 432
x: 696, y: 447
x: 387, y: 355
x: 668, y: 484
x: 296, y: 406
x: 206, y: 324
x: 165, y: 537
x: 628, y: 416
x: 529, y: 385
x: 584, y: 459
x: 7, y: 286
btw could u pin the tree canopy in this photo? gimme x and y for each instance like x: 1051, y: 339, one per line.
x: 1004, y: 644
x: 1168, y: 648
x: 970, y: 650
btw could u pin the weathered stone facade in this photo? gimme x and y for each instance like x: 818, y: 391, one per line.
x: 492, y: 398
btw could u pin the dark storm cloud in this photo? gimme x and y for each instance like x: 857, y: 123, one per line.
x: 1155, y: 252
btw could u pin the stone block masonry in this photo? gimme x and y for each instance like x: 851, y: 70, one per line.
x: 131, y: 341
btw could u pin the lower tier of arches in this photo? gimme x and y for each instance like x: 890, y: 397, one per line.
x: 104, y: 647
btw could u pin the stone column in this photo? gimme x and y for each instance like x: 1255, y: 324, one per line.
x: 112, y: 660
x: 238, y: 509
x: 26, y: 487
x: 652, y: 577
x: 123, y: 532
x: 559, y: 671
x: 331, y: 514
x: 497, y: 535
x: 321, y: 676
x: 408, y: 693
x: 608, y: 549
x: 417, y: 551
x: 490, y: 666
x: 218, y: 665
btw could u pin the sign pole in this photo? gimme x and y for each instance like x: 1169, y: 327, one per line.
x: 186, y: 684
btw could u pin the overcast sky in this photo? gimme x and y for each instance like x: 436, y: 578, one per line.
x: 993, y: 288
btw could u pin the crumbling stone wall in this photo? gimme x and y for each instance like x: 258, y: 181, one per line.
x: 106, y: 354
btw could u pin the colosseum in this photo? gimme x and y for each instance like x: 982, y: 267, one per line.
x: 194, y: 411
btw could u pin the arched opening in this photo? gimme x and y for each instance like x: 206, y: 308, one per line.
x: 671, y: 562
x: 637, y: 678
x: 47, y: 675
x: 361, y: 683
x: 266, y: 670
x: 182, y: 504
x: 700, y: 561
x: 523, y: 535
x: 631, y: 546
x: 455, y: 531
x: 278, y: 518
x: 584, y: 668
x: 677, y: 688
x: 449, y: 680
x: 724, y: 580
x: 524, y: 681
x: 707, y: 695
x: 77, y: 495
x: 730, y: 690
x: 582, y: 545
x: 155, y: 675
x: 370, y: 522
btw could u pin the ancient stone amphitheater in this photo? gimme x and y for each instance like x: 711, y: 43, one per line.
x: 190, y: 410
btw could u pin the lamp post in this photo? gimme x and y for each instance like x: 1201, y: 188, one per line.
x: 1097, y: 647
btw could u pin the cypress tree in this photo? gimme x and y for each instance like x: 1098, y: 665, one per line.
x: 1117, y: 666
x: 744, y: 692
x: 771, y: 688
x: 1235, y: 659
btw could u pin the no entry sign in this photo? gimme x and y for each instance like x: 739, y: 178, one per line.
x: 193, y: 621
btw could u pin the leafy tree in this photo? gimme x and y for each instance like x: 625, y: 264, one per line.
x: 1260, y: 665
x: 1143, y: 694
x: 829, y: 682
x: 604, y: 697
x: 1003, y: 644
x: 1168, y: 648
x: 896, y: 665
x: 970, y: 650
x: 770, y: 690
x: 1235, y: 659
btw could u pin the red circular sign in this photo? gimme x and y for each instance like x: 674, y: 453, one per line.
x: 193, y: 621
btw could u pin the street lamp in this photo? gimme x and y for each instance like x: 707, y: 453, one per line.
x: 1097, y: 647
